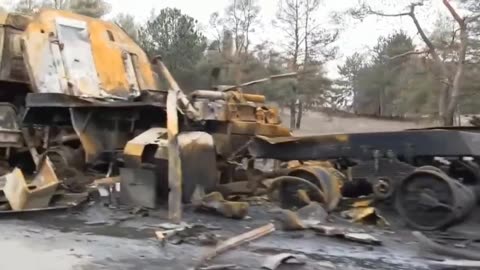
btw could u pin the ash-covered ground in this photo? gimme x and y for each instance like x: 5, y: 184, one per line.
x: 97, y: 237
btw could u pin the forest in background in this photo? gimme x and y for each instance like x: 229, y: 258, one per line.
x: 436, y: 76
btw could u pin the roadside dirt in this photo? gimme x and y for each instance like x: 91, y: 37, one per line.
x: 321, y: 123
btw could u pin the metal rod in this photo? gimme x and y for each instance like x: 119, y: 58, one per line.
x: 190, y: 111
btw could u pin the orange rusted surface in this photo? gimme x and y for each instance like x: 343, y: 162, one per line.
x: 254, y: 98
x: 113, y: 52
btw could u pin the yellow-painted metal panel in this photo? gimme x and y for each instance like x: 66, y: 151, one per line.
x: 114, y: 55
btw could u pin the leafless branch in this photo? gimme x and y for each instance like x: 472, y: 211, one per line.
x: 421, y: 32
x: 460, y: 20
x: 454, y: 35
x: 402, y: 14
x: 408, y: 53
x: 472, y: 19
x: 388, y: 15
x: 462, y: 53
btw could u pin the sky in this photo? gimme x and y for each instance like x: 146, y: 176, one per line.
x: 355, y: 36
x: 201, y: 10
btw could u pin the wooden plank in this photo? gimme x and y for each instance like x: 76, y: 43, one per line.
x: 237, y: 241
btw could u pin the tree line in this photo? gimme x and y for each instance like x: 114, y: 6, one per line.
x: 437, y: 77
x: 432, y: 73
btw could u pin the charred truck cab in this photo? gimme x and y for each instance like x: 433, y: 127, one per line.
x: 93, y: 87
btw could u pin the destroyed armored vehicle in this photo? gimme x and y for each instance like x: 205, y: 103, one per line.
x: 80, y: 100
x: 81, y: 92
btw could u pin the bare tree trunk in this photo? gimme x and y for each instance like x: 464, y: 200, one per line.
x: 440, y: 67
x: 292, y: 114
x: 60, y: 4
x: 381, y: 100
x: 442, y: 102
x: 298, y: 124
x: 459, y: 74
x: 305, y: 62
x: 293, y: 103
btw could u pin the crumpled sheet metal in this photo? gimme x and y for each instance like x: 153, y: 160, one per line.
x: 36, y: 194
x: 134, y: 148
x: 327, y: 178
x: 306, y: 183
x: 365, y: 215
x: 76, y: 55
x: 305, y: 218
x: 294, y: 221
x: 216, y: 203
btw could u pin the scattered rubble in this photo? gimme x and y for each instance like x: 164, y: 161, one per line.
x: 273, y: 262
x: 216, y: 203
x: 313, y: 217
x: 365, y: 215
x: 220, y: 267
x: 362, y: 238
x: 305, y: 218
x: 177, y: 234
x: 429, y: 245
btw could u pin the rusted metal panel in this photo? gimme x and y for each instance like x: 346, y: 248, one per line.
x: 91, y: 143
x: 138, y: 187
x: 36, y: 194
x: 248, y: 112
x: 212, y: 110
x: 76, y: 55
x: 254, y: 128
x: 144, y: 175
x: 328, y: 179
x: 135, y: 148
x: 99, y: 59
x: 12, y: 68
x: 198, y: 162
x: 254, y: 98
x: 150, y: 151
x: 101, y: 133
x: 10, y: 134
x: 361, y: 145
